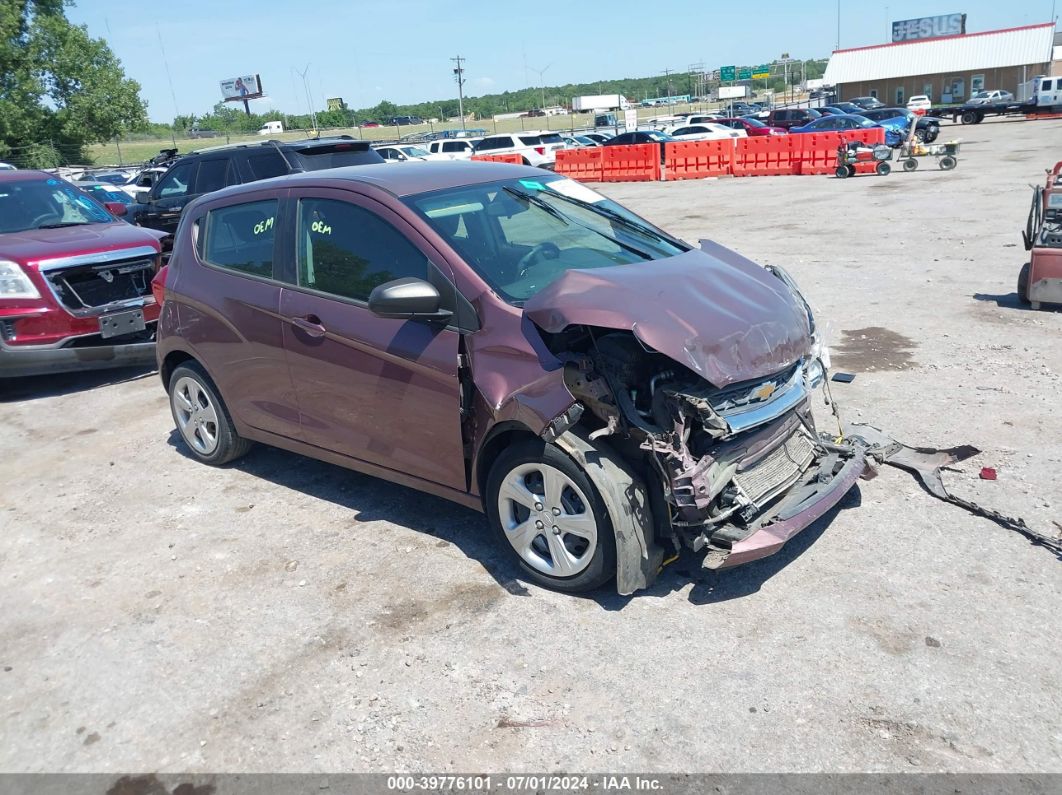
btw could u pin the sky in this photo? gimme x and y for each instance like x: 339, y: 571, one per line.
x: 400, y: 50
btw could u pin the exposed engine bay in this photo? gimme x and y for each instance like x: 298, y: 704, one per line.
x: 723, y: 462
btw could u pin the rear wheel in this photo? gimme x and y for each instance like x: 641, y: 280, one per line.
x: 201, y: 417
x: 548, y: 515
x: 910, y: 164
x: 882, y: 169
x: 947, y: 163
x: 1023, y: 283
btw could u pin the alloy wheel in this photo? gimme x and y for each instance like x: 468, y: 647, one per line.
x: 197, y: 417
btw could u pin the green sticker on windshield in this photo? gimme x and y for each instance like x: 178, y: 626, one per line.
x: 532, y: 184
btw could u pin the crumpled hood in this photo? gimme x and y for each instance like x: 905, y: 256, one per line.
x: 35, y: 245
x: 716, y: 312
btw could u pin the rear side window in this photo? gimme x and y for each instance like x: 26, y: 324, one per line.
x: 215, y: 175
x: 530, y: 140
x: 552, y: 138
x: 346, y: 250
x: 315, y: 158
x: 499, y: 142
x: 240, y: 237
x: 264, y: 165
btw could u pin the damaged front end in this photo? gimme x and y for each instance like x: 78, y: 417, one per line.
x: 734, y: 465
x: 739, y: 469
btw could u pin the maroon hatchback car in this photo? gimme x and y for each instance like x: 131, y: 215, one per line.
x: 509, y: 339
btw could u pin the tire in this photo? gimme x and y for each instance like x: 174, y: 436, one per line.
x: 970, y: 117
x: 920, y: 136
x: 883, y: 169
x: 932, y: 134
x: 523, y: 482
x: 1023, y: 283
x: 947, y: 163
x: 910, y: 164
x: 202, y: 419
x: 841, y: 172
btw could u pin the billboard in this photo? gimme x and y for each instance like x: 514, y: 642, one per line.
x: 242, y: 87
x: 732, y: 92
x: 929, y: 27
x: 335, y: 103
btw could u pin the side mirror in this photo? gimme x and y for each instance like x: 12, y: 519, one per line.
x: 407, y: 298
x: 143, y: 197
x: 117, y: 209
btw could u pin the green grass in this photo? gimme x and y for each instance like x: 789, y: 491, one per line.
x: 140, y: 150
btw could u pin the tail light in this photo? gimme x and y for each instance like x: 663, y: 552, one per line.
x: 158, y: 284
x: 540, y: 149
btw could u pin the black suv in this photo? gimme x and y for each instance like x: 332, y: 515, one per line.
x: 405, y: 121
x: 791, y: 117
x: 211, y: 169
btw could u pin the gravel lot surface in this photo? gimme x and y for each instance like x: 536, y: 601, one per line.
x: 287, y: 615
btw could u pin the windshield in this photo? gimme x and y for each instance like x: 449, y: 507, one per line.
x: 106, y: 194
x: 753, y: 123
x: 415, y: 151
x: 521, y: 235
x: 46, y: 204
x: 980, y: 95
x: 862, y: 121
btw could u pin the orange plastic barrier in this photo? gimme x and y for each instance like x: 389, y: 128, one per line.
x: 698, y: 159
x: 766, y: 156
x: 505, y: 158
x: 817, y: 152
x: 582, y: 164
x: 636, y: 163
x: 875, y: 135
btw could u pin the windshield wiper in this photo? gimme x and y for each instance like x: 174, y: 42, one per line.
x: 566, y: 220
x: 531, y: 198
x: 62, y: 224
x: 613, y: 215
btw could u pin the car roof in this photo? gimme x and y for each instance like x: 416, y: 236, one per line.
x: 426, y: 177
x: 7, y: 175
x: 302, y: 143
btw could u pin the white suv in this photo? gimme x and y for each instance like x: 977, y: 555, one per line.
x: 405, y: 153
x: 454, y: 148
x: 537, y: 147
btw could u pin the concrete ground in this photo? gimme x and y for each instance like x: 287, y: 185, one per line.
x: 286, y: 615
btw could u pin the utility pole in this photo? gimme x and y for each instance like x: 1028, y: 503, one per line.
x: 667, y: 75
x: 541, y: 72
x: 309, y: 102
x: 838, y: 25
x: 459, y: 76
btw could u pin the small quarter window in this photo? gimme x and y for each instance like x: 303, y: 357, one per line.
x: 240, y: 237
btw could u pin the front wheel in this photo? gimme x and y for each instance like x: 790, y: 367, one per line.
x: 1023, y: 283
x: 947, y: 163
x: 841, y: 172
x: 548, y: 515
x: 201, y: 417
x: 910, y: 164
x: 882, y: 169
x: 931, y: 134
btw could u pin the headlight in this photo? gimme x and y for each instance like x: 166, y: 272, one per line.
x: 14, y: 282
x: 814, y: 373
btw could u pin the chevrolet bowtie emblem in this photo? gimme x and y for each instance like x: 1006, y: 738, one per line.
x: 764, y: 392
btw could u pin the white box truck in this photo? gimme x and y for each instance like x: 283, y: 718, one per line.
x: 599, y: 103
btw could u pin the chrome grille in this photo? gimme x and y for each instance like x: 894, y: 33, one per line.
x: 778, y: 470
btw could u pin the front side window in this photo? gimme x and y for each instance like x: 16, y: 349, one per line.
x: 240, y: 237
x: 177, y: 181
x: 346, y: 250
x: 500, y: 142
x: 520, y: 235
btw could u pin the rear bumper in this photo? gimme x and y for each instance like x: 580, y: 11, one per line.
x: 19, y: 362
x: 771, y: 538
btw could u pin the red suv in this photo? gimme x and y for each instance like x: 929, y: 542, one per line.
x: 509, y: 339
x: 75, y: 282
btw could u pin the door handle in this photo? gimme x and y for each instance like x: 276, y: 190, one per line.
x: 311, y: 324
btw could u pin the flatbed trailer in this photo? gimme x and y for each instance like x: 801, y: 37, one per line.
x: 975, y: 114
